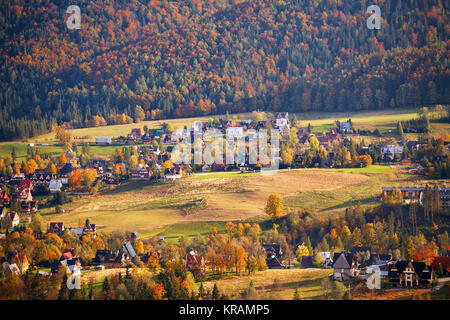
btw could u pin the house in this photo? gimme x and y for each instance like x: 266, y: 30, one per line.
x: 411, y: 193
x: 328, y: 260
x: 141, y: 173
x: 14, y: 216
x: 56, y: 227
x: 441, y: 265
x: 194, y: 260
x: 273, y: 256
x: 243, y: 167
x: 21, y: 260
x: 407, y: 192
x: 41, y: 177
x: 135, y: 134
x: 64, y: 172
x: 21, y: 195
x: 172, y: 173
x: 73, y: 265
x: 345, y: 127
x: 344, y: 265
x: 29, y: 206
x: 10, y: 268
x: 89, y: 229
x: 391, y: 151
x: 408, y: 274
x: 282, y: 121
x: 158, y: 132
x: 324, y: 142
x: 111, y: 259
x: 55, y: 185
x: 103, y: 141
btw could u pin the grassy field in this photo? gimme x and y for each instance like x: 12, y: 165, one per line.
x: 274, y: 284
x: 194, y: 205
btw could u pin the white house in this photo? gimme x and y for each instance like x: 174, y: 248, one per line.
x: 14, y: 216
x: 172, y: 173
x: 326, y: 256
x: 392, y: 151
x: 282, y: 121
x: 55, y: 186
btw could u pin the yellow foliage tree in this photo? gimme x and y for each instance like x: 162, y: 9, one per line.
x: 274, y: 206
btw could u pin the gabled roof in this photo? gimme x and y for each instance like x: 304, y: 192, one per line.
x: 343, y: 260
x: 127, y: 247
x: 422, y: 270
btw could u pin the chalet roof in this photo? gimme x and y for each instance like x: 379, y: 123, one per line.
x: 343, y: 260
x: 420, y: 268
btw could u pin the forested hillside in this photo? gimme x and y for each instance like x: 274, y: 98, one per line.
x: 159, y: 59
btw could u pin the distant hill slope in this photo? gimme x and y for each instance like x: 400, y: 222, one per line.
x: 193, y: 57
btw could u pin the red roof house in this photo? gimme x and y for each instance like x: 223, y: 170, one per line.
x: 194, y: 260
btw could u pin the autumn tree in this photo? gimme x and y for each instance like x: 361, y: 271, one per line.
x: 89, y: 177
x: 409, y: 249
x: 76, y: 179
x: 63, y: 159
x: 274, y: 206
x: 301, y: 252
x: 30, y: 166
x: 64, y: 136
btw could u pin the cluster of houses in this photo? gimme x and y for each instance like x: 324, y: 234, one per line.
x: 416, y: 193
x: 20, y: 192
x: 405, y: 274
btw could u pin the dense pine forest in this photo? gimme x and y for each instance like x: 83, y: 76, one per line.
x: 135, y: 60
